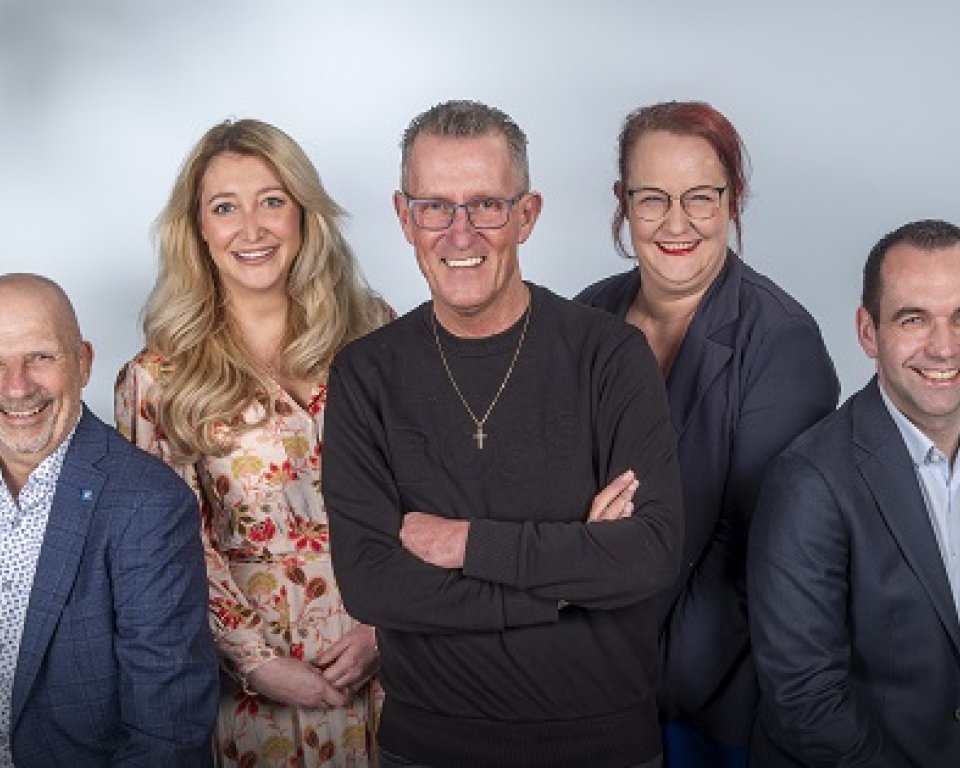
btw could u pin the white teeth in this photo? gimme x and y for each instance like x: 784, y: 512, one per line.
x: 23, y: 414
x: 676, y: 246
x: 471, y: 261
x: 938, y: 375
x: 254, y: 255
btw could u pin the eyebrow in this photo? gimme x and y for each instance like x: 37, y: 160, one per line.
x: 904, y: 311
x: 277, y: 188
x: 651, y: 188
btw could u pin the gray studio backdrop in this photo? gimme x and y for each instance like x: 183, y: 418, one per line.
x: 849, y: 111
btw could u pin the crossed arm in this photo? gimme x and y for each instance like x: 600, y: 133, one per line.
x: 443, y: 542
x: 419, y: 571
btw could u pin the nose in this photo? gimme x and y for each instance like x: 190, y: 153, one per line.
x: 14, y: 381
x: 944, y: 339
x: 461, y: 231
x: 251, y: 225
x: 676, y: 220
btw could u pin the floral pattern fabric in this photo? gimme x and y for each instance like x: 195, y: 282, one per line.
x: 272, y: 588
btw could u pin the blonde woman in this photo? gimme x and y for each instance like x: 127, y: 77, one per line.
x: 257, y: 290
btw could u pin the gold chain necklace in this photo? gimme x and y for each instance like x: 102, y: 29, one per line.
x: 480, y: 435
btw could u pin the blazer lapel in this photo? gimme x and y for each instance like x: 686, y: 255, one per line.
x: 889, y: 472
x: 71, y: 512
x: 706, y: 348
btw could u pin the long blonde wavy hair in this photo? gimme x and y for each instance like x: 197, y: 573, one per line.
x: 208, y: 379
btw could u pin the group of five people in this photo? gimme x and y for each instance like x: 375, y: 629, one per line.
x: 543, y: 509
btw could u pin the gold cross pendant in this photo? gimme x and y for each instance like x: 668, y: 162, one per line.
x: 479, y: 436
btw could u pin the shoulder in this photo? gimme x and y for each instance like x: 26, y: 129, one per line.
x: 579, y: 318
x: 826, y: 447
x: 596, y: 338
x: 126, y: 469
x: 144, y: 369
x: 763, y: 302
x: 611, y: 293
x: 385, y: 342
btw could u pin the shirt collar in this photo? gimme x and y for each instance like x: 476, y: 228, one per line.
x: 920, y: 447
x: 47, y: 472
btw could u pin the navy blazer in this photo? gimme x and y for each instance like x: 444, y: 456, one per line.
x: 116, y: 665
x: 855, y: 630
x: 751, y: 374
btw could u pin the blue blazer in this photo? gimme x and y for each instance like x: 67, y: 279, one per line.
x: 751, y: 374
x: 855, y: 630
x: 116, y: 665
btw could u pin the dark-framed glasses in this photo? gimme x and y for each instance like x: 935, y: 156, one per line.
x: 652, y: 204
x: 482, y: 212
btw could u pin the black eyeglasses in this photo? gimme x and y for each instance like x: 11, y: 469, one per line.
x: 652, y: 204
x: 482, y: 213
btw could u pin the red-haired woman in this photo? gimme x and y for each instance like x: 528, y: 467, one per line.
x: 746, y: 371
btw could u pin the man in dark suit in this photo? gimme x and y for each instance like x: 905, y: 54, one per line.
x: 105, y: 653
x: 854, y: 562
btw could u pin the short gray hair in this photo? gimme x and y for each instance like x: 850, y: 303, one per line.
x: 465, y: 119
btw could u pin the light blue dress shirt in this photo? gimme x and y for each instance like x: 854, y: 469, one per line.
x: 939, y: 482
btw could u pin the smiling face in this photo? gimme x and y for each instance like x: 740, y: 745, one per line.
x: 473, y: 274
x: 915, y: 338
x: 250, y: 223
x: 678, y: 256
x: 44, y: 365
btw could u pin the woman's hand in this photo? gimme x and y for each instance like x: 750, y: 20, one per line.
x: 352, y: 660
x: 288, y: 680
x: 616, y: 500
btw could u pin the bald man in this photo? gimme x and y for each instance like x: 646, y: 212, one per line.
x: 105, y: 653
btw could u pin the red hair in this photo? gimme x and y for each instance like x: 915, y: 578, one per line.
x: 686, y: 118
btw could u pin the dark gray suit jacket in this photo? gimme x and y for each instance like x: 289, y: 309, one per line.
x: 855, y: 632
x: 116, y: 664
x: 751, y: 374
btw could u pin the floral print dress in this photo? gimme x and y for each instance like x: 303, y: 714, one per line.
x: 272, y: 589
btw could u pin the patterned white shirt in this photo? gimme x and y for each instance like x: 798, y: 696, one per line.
x: 22, y: 525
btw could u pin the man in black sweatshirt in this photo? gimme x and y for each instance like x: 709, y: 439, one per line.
x: 502, y: 485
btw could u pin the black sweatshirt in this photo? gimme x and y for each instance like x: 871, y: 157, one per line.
x: 542, y: 650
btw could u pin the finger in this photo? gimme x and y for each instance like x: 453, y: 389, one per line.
x: 621, y: 506
x: 333, y: 653
x: 335, y: 697
x: 616, y: 507
x: 339, y: 670
x: 608, y: 494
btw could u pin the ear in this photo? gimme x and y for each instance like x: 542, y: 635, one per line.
x: 86, y: 361
x: 866, y: 332
x: 403, y: 215
x: 530, y: 207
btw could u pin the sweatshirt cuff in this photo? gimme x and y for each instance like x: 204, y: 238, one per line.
x: 492, y: 552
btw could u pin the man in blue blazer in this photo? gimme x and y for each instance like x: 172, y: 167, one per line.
x: 105, y: 653
x: 854, y: 557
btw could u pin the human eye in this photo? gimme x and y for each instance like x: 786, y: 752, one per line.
x: 273, y: 201
x: 700, y: 196
x: 650, y: 197
x: 487, y: 204
x: 911, y: 320
x: 42, y: 358
x: 222, y: 208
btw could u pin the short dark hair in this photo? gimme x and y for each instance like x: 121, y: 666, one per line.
x: 927, y: 235
x: 686, y: 118
x: 466, y: 119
